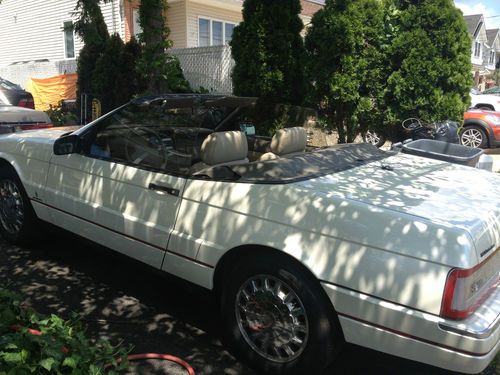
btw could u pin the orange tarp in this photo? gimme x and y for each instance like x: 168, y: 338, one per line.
x: 50, y: 91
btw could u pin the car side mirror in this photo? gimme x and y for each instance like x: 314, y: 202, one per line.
x: 69, y: 144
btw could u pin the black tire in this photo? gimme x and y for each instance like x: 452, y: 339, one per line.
x: 374, y: 138
x: 320, y: 340
x: 18, y: 221
x: 473, y: 136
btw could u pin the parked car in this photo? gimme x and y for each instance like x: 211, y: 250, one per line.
x: 15, y: 95
x: 481, y: 129
x: 304, y: 249
x: 13, y: 118
x: 485, y: 101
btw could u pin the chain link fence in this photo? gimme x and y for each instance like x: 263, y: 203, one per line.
x: 21, y: 73
x: 209, y: 68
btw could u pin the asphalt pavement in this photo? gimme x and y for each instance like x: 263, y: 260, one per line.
x: 125, y: 301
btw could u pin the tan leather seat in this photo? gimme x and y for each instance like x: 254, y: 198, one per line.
x: 286, y: 142
x: 223, y: 148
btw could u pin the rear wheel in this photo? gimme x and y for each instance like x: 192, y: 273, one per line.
x: 17, y: 218
x: 277, y: 319
x: 473, y: 137
x: 374, y: 138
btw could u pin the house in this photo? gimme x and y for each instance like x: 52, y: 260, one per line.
x: 36, y: 37
x: 493, y: 54
x: 485, y: 53
x: 37, y: 30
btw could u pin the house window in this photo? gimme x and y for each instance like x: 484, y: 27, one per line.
x: 69, y: 40
x: 492, y: 58
x: 204, y: 33
x: 477, y: 49
x: 217, y: 33
x: 213, y: 32
x: 228, y: 32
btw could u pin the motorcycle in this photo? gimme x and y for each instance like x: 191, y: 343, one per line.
x: 446, y: 131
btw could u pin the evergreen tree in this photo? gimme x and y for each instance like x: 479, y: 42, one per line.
x: 430, y: 62
x: 269, y: 52
x: 160, y: 70
x: 91, y: 27
x: 346, y: 63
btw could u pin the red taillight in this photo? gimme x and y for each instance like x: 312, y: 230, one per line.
x: 26, y: 103
x: 467, y: 289
x: 42, y: 125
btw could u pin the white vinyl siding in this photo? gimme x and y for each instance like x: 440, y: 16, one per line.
x: 33, y: 29
x: 176, y: 21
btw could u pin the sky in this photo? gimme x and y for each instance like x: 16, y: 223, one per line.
x: 487, y: 7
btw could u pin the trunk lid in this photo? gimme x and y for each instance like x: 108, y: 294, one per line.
x: 440, y: 192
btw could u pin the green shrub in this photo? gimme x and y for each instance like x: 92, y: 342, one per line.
x: 61, y: 349
x: 345, y: 60
x: 429, y: 61
x: 60, y: 117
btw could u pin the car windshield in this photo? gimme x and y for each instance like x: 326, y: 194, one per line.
x: 493, y: 90
x: 3, y: 99
x: 7, y: 85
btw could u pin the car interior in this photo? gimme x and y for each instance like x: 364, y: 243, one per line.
x: 182, y: 138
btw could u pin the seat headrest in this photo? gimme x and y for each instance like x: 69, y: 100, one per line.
x: 224, y: 147
x: 289, y: 140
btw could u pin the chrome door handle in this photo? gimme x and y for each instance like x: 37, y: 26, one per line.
x: 164, y: 189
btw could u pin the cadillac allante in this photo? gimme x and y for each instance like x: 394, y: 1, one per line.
x: 305, y: 248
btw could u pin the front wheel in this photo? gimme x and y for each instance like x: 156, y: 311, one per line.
x: 277, y: 318
x: 17, y: 217
x: 473, y: 137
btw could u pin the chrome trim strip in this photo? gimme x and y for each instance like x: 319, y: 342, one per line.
x: 470, y: 333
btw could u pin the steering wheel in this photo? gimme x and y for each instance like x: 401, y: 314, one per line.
x: 139, y: 143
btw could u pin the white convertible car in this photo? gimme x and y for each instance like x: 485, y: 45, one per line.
x: 304, y: 248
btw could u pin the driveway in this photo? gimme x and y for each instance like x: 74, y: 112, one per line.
x: 121, y: 299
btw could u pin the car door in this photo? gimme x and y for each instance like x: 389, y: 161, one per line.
x: 124, y: 189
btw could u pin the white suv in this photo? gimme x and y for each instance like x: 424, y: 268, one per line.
x: 485, y: 101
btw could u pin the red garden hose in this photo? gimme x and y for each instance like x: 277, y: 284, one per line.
x: 132, y: 357
x: 164, y: 357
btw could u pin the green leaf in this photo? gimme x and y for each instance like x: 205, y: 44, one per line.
x: 69, y: 362
x: 47, y: 363
x: 12, y: 357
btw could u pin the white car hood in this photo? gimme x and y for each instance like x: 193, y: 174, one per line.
x: 440, y: 192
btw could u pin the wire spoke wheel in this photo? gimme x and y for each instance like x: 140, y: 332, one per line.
x: 372, y: 137
x: 11, y: 207
x: 272, y: 318
x: 472, y: 137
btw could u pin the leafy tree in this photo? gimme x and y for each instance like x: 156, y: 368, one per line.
x: 268, y: 51
x: 346, y: 63
x: 430, y: 62
x: 161, y: 70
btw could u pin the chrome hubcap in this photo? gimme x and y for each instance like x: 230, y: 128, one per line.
x: 472, y: 138
x: 11, y: 207
x: 372, y: 137
x: 272, y: 318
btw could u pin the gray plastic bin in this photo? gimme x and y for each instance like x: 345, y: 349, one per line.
x: 450, y: 152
